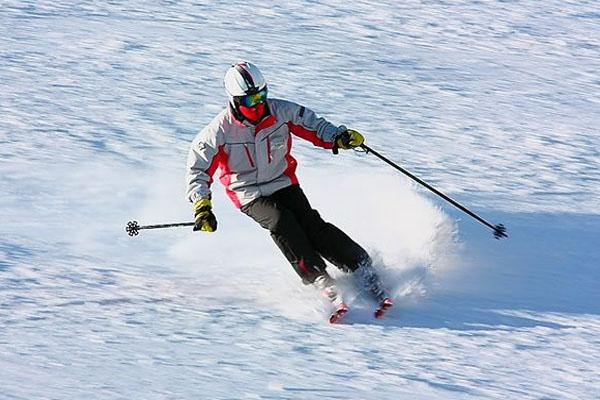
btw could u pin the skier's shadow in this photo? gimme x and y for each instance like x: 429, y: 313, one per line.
x: 460, y: 318
x: 415, y: 307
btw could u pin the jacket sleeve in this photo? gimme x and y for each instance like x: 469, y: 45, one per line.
x: 304, y: 123
x: 203, y: 159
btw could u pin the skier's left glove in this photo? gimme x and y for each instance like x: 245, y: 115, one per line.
x: 204, y: 218
x: 349, y: 139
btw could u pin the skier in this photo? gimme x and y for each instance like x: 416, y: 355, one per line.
x: 250, y: 141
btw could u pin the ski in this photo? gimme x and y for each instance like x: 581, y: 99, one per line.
x: 338, y: 314
x: 382, y: 308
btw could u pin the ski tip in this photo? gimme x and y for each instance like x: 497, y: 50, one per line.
x: 385, y: 305
x: 338, y: 314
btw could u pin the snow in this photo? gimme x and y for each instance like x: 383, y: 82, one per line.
x: 494, y: 103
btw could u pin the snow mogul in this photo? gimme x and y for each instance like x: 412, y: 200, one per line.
x: 251, y: 142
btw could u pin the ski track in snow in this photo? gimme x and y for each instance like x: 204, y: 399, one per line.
x: 495, y: 103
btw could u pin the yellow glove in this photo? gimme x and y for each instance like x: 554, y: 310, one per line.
x: 349, y: 139
x: 203, y: 216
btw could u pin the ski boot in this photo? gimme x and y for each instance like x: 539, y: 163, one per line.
x: 372, y: 283
x: 326, y: 284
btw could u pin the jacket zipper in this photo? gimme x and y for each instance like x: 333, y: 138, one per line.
x: 249, y: 156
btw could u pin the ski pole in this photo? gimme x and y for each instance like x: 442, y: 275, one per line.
x: 133, y: 228
x: 499, y: 230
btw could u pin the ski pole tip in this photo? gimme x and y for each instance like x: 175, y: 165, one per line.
x: 500, y: 231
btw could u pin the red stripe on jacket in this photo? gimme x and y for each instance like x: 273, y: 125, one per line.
x: 290, y: 171
x: 214, y: 164
x: 309, y: 135
x: 220, y: 160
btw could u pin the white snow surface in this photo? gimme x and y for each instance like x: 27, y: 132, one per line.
x: 496, y: 103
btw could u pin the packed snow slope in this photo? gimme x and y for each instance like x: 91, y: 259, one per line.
x: 495, y: 103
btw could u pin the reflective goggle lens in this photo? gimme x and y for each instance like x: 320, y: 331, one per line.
x: 252, y: 100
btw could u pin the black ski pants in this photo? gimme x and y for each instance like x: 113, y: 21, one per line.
x: 302, y: 235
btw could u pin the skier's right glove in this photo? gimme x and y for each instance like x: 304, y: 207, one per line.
x: 204, y: 218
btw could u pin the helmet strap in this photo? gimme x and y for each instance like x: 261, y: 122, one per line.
x: 235, y: 111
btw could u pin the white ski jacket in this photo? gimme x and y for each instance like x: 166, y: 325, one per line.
x: 254, y: 161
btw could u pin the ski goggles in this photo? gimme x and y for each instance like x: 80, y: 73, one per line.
x: 252, y: 100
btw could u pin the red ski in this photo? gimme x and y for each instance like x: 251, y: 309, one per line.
x: 385, y: 305
x: 338, y: 314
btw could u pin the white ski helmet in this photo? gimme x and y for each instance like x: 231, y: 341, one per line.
x: 242, y: 79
